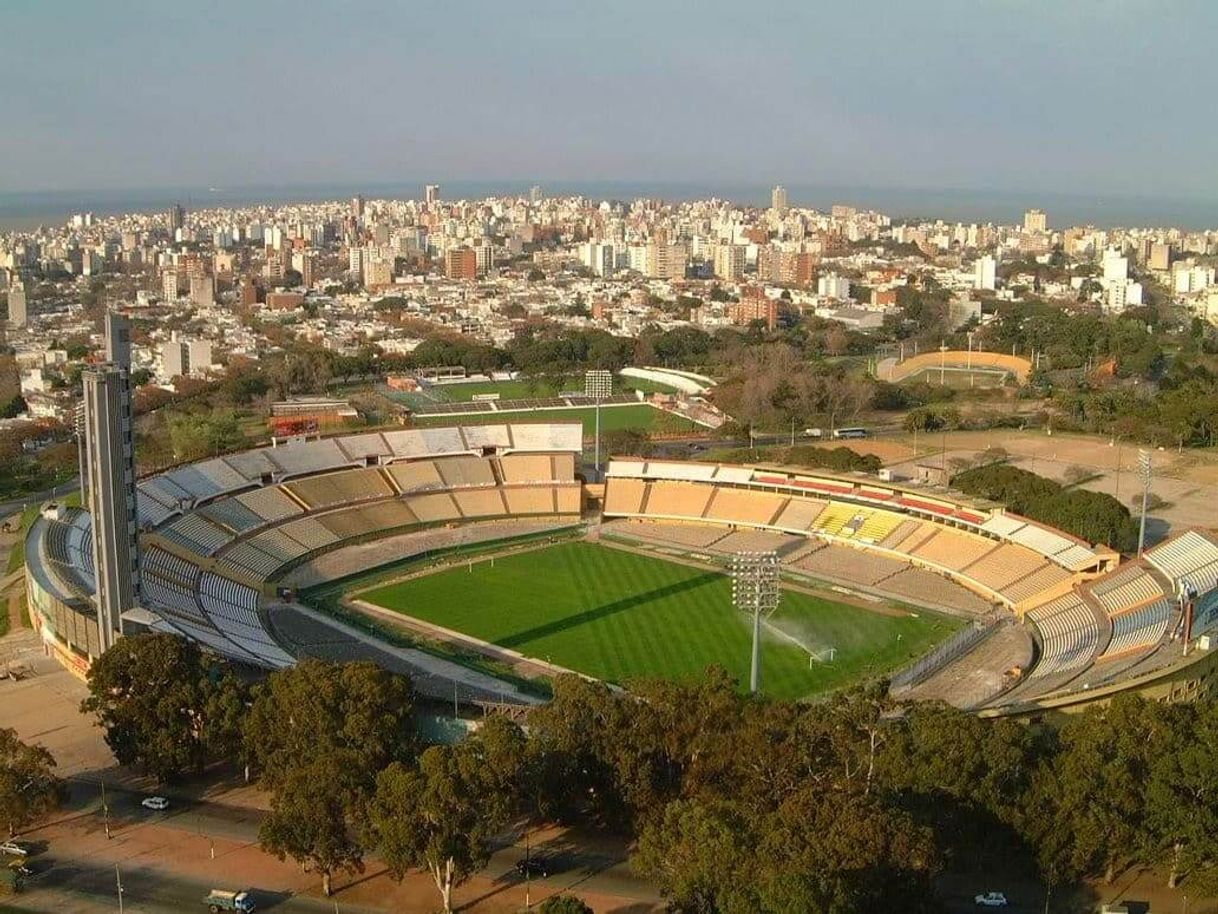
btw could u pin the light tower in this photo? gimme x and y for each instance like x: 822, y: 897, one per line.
x: 755, y: 590
x: 598, y: 384
x: 1144, y: 475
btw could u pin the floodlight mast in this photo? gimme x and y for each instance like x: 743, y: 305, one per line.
x: 755, y: 590
x: 598, y: 384
x: 1144, y: 476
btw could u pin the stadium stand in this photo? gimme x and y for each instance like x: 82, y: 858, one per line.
x: 1138, y: 629
x: 1070, y: 634
x: 743, y: 506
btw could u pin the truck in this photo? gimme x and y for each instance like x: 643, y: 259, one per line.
x: 223, y: 900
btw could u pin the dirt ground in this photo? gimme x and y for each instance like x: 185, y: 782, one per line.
x: 1187, y: 482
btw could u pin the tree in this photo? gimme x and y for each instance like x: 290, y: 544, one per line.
x: 441, y: 814
x: 165, y: 709
x: 310, y: 818
x: 317, y: 708
x: 564, y: 904
x: 1181, y: 810
x: 28, y: 786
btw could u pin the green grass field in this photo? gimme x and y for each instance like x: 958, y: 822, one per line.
x: 642, y: 417
x: 617, y: 616
x: 507, y: 390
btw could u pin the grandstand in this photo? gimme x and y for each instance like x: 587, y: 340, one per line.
x: 1095, y: 621
x: 216, y: 536
x: 219, y: 537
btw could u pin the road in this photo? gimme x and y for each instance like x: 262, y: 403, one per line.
x: 78, y: 886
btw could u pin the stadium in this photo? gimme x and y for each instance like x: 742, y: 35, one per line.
x: 497, y: 564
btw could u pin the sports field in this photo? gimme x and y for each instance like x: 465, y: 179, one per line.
x: 617, y: 615
x: 642, y: 417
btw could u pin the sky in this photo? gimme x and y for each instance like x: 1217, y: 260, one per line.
x: 1068, y: 96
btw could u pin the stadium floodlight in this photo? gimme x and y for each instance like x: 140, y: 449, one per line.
x: 755, y: 591
x: 1144, y: 476
x: 598, y: 384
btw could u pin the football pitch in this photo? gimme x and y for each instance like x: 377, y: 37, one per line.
x: 613, y: 418
x: 618, y: 615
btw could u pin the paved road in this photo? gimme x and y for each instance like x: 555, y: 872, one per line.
x: 19, y: 504
x: 78, y: 887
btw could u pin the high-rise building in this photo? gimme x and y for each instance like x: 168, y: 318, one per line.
x: 431, y: 194
x: 357, y: 206
x: 1035, y: 221
x: 18, y: 305
x: 778, y: 198
x: 169, y: 285
x: 184, y: 358
x: 176, y: 218
x: 461, y: 263
x: 484, y: 255
x: 109, y: 443
x: 1160, y: 256
x: 985, y: 273
x: 203, y: 291
x: 535, y: 194
x: 729, y: 261
x: 118, y: 340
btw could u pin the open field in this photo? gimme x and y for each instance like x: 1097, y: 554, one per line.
x: 641, y: 417
x: 523, y: 388
x: 617, y: 615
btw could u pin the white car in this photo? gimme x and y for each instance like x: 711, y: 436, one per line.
x: 991, y: 900
x: 12, y: 848
x: 157, y: 803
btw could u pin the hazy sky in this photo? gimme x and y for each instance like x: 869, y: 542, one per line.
x: 1103, y: 96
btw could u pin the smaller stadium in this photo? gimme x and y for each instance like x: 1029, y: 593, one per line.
x: 480, y: 559
x: 957, y: 368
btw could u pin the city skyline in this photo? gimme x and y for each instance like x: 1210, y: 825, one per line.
x: 1019, y: 97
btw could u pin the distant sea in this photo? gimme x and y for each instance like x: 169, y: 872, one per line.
x: 26, y: 210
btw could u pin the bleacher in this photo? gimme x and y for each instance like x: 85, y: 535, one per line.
x: 270, y: 504
x: 527, y: 468
x: 1070, y: 634
x: 465, y: 471
x: 1003, y: 557
x: 197, y: 533
x: 331, y: 489
x: 1127, y: 589
x: 416, y: 476
x: 744, y: 506
x: 678, y: 499
x: 853, y: 566
x: 800, y: 514
x: 1189, y: 561
x: 1138, y: 629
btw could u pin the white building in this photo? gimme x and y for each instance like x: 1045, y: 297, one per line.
x: 1116, y: 267
x: 985, y: 273
x: 833, y: 286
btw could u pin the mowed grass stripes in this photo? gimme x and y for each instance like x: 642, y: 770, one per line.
x: 617, y: 616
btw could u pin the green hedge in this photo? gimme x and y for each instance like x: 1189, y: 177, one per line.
x: 1092, y: 516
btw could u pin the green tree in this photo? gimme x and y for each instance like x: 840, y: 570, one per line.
x: 164, y: 708
x: 441, y: 814
x: 315, y: 709
x: 564, y: 904
x: 1182, y: 796
x: 28, y: 786
x: 311, y: 817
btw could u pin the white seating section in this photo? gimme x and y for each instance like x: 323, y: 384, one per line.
x: 1189, y: 557
x: 223, y: 527
x: 1138, y: 629
x: 1128, y: 588
x: 1070, y: 634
